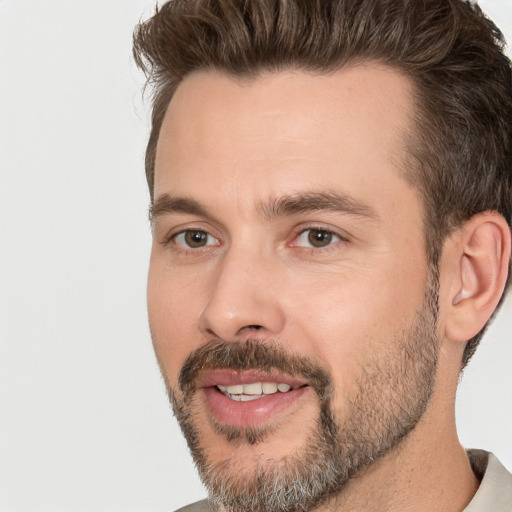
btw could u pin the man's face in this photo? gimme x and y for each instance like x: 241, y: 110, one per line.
x: 288, y: 279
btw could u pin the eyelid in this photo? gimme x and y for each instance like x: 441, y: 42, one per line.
x: 300, y: 230
x: 175, y: 231
x: 334, y: 237
x: 184, y: 246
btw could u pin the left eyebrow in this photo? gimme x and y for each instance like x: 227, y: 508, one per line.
x: 316, y: 201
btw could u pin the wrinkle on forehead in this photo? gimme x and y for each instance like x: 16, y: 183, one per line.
x: 260, y: 137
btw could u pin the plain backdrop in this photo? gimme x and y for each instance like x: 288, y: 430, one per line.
x: 84, y: 419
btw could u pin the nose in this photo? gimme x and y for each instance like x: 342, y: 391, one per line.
x: 243, y: 300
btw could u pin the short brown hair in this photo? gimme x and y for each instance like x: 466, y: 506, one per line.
x: 461, y: 154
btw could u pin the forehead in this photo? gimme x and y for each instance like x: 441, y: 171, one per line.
x: 285, y: 132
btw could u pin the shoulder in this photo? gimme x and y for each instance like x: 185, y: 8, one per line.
x: 495, y: 491
x: 199, y: 506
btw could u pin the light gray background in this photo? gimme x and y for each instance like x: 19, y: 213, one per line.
x: 84, y: 420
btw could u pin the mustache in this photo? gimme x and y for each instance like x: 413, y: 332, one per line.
x: 253, y: 354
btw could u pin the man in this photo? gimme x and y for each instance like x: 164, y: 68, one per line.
x: 331, y: 188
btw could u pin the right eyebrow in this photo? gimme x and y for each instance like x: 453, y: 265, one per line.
x: 166, y: 204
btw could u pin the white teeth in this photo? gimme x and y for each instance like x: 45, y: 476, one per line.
x: 244, y: 398
x: 237, y: 389
x: 269, y: 388
x: 253, y: 390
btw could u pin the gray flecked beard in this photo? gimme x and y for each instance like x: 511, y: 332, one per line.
x: 392, y: 394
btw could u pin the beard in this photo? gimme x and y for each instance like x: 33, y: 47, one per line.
x: 391, y: 393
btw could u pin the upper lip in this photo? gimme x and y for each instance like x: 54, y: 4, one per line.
x: 227, y: 377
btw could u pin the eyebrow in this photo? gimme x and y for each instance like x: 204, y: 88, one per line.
x: 284, y: 206
x: 316, y: 201
x: 166, y: 204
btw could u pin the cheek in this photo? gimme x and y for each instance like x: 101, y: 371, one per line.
x: 173, y: 318
x: 352, y: 316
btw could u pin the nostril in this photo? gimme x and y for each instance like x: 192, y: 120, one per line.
x: 247, y: 329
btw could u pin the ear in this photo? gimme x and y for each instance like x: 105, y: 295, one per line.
x: 480, y: 258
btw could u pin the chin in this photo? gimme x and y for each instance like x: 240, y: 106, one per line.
x: 248, y: 447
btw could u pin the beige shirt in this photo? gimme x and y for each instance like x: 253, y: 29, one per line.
x: 493, y: 495
x: 495, y: 491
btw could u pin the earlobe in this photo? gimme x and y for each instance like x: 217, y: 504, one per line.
x: 481, y: 274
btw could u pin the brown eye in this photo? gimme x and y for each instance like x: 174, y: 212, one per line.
x: 317, y: 238
x: 195, y: 239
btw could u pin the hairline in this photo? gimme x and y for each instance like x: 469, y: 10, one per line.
x: 407, y: 166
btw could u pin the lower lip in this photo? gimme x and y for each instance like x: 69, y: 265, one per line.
x: 254, y: 412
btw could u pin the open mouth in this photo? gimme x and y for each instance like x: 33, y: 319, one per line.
x: 250, y: 398
x: 254, y: 390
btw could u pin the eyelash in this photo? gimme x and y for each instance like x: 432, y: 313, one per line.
x: 321, y: 229
x: 181, y: 247
x: 172, y: 239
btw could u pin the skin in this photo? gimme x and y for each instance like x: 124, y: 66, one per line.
x: 232, y: 145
